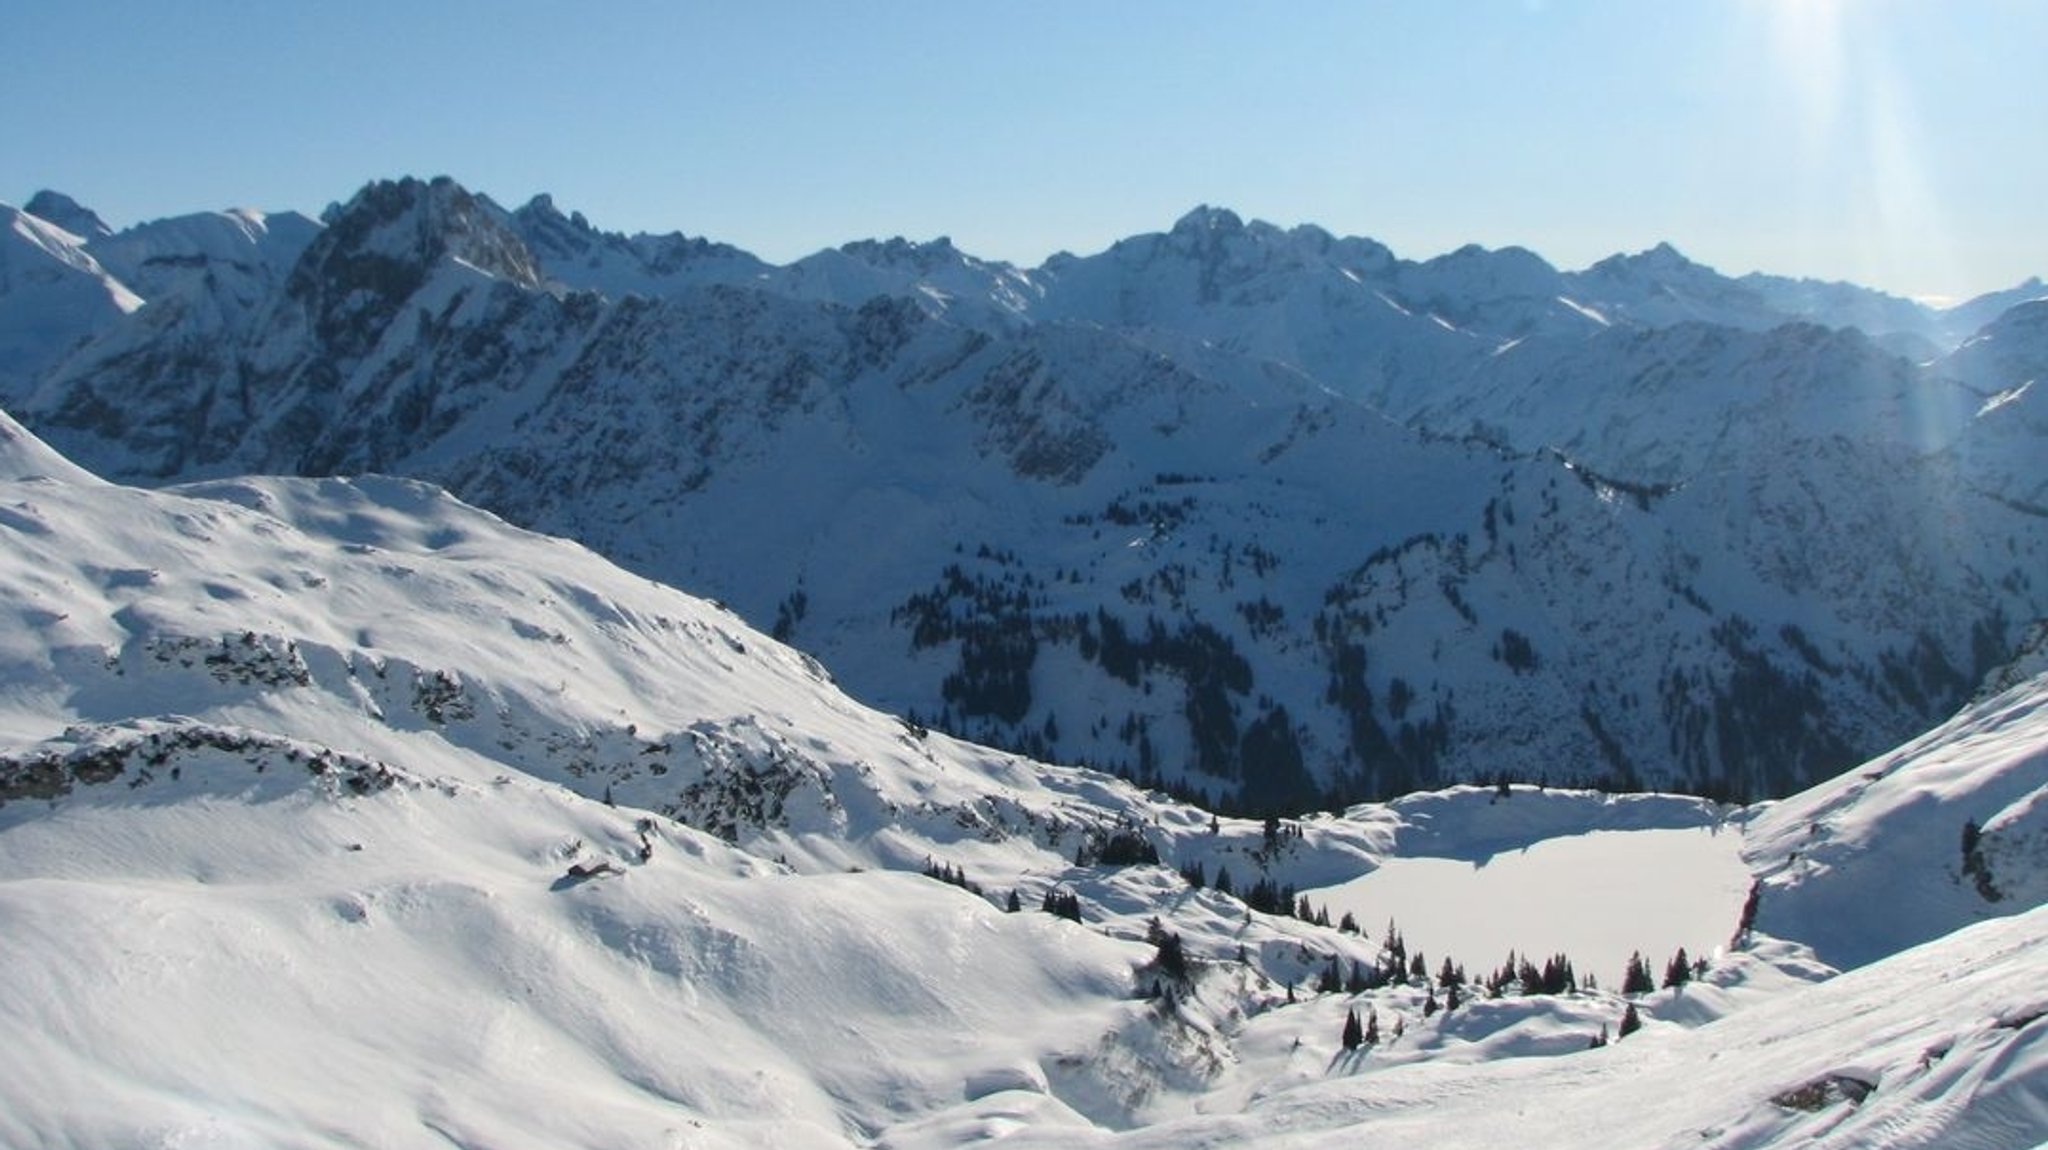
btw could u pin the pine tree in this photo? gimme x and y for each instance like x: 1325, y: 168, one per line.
x: 1354, y: 1034
x: 1637, y: 979
x: 1747, y: 922
x: 1451, y: 999
x: 1170, y: 957
x: 1372, y: 1026
x: 1678, y: 971
x: 1222, y: 884
x: 1429, y: 1005
x: 1014, y: 904
x: 1331, y: 982
x: 1630, y: 1022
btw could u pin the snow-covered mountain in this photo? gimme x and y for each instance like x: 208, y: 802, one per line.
x: 338, y: 812
x: 1266, y: 513
x: 53, y: 296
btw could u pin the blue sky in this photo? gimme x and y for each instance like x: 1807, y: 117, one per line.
x: 1898, y: 143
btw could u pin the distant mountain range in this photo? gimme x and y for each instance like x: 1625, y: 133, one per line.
x: 1270, y: 515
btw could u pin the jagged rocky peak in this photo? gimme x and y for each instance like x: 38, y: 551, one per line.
x: 549, y: 232
x: 381, y: 247
x: 573, y: 251
x: 67, y: 213
x: 418, y: 223
x: 1205, y: 221
x: 899, y: 252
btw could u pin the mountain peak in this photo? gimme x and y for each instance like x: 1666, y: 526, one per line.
x: 899, y: 252
x: 1660, y: 261
x: 67, y: 213
x: 1205, y: 220
x: 420, y: 222
x: 384, y: 244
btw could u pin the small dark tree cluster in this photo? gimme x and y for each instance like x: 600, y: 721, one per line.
x: 1268, y: 897
x: 1124, y: 846
x: 1555, y: 976
x: 950, y: 875
x: 1310, y: 914
x: 1637, y: 978
x: 1168, y: 955
x: 1394, y: 954
x: 1064, y: 903
x: 1630, y: 1022
x: 1357, y: 1034
x: 1678, y: 971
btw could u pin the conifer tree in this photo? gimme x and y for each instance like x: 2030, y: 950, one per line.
x: 1014, y: 904
x: 1331, y: 982
x: 1637, y: 979
x: 1678, y: 971
x: 1372, y: 1027
x: 1354, y: 1034
x: 1630, y: 1022
x: 1451, y: 999
x: 1429, y: 1005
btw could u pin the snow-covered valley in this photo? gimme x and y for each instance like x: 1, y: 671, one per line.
x: 341, y: 813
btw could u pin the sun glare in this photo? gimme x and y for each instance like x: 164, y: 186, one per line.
x: 1860, y: 170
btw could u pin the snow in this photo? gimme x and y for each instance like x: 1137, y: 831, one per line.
x: 330, y: 856
x: 840, y: 427
x: 340, y: 812
x: 1889, y: 835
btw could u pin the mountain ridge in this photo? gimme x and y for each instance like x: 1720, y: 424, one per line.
x: 1228, y: 507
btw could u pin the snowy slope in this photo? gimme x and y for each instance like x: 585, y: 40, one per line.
x: 53, y: 295
x: 1945, y: 1045
x: 1892, y: 834
x: 338, y: 812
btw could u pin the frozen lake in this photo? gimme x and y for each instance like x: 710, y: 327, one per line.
x: 1593, y: 897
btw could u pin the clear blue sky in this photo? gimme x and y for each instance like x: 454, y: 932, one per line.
x: 1899, y: 143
